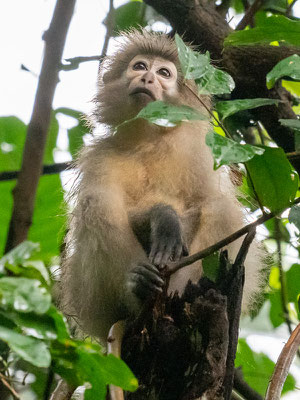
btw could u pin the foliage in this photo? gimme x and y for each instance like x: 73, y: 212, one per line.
x: 37, y: 332
x: 30, y: 324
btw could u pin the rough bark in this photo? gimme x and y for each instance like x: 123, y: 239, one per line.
x: 184, y: 349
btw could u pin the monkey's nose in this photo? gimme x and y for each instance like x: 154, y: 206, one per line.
x: 148, y: 77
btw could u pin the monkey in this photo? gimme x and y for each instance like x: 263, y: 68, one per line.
x: 145, y: 195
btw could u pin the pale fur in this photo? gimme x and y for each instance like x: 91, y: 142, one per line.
x: 127, y: 173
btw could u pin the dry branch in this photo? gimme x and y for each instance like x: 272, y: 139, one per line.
x: 25, y: 190
x: 283, y: 365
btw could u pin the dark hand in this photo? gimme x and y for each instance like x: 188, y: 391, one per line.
x: 145, y: 281
x: 166, y: 237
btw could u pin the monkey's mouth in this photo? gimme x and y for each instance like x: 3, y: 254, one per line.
x: 143, y: 91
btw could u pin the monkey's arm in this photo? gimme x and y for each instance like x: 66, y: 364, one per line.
x: 161, y: 233
x: 106, y: 270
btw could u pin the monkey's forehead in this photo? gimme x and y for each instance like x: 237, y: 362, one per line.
x: 141, y: 42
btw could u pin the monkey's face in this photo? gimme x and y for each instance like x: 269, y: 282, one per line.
x: 150, y: 78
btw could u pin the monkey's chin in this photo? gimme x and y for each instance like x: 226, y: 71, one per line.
x: 142, y: 99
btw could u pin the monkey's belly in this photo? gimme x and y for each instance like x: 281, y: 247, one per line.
x: 180, y: 279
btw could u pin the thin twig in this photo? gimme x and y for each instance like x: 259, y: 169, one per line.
x: 62, y: 392
x: 9, y: 387
x: 109, y: 23
x: 175, y: 266
x: 47, y: 170
x: 283, y: 365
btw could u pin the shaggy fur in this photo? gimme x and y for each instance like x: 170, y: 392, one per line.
x: 126, y: 173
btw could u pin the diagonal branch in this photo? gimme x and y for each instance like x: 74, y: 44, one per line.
x: 25, y: 190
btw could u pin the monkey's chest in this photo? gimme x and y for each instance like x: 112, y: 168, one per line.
x: 146, y: 183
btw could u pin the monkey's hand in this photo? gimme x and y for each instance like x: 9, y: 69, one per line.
x: 167, y: 242
x: 144, y: 281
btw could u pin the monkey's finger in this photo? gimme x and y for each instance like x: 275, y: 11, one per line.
x: 167, y: 255
x: 150, y: 273
x: 159, y: 255
x: 178, y: 252
x: 185, y: 250
x: 142, y: 287
x: 153, y: 252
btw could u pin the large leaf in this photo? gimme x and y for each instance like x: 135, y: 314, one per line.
x: 193, y: 64
x: 28, y: 348
x: 289, y: 67
x: 274, y: 28
x: 12, y: 138
x: 168, y: 115
x: 209, y: 79
x: 274, y: 180
x: 24, y: 295
x: 294, y: 215
x: 20, y: 253
x: 291, y: 123
x: 257, y: 369
x: 40, y: 327
x: 276, y: 312
x: 227, y: 108
x: 226, y: 151
x: 84, y: 362
x: 215, y: 81
x: 49, y: 217
x: 75, y: 134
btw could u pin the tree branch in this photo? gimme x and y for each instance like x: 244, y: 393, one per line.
x: 248, y: 17
x: 283, y: 365
x: 47, y: 170
x: 173, y: 267
x: 25, y: 190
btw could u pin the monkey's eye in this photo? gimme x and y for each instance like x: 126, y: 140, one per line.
x: 140, y: 66
x: 164, y: 72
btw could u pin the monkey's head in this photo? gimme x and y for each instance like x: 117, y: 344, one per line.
x: 145, y: 68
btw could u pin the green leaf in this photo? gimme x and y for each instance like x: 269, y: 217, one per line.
x: 129, y: 15
x: 75, y: 134
x: 40, y: 327
x: 28, y: 348
x: 215, y: 81
x: 24, y: 295
x: 291, y: 123
x: 294, y: 215
x: 276, y: 312
x: 274, y: 28
x: 257, y: 369
x: 60, y: 323
x: 193, y: 64
x: 275, y: 182
x: 12, y: 138
x: 292, y: 283
x: 210, y: 265
x: 226, y: 108
x: 81, y: 362
x: 226, y: 151
x: 289, y: 67
x: 49, y: 219
x: 168, y: 115
x: 20, y: 253
x: 51, y: 140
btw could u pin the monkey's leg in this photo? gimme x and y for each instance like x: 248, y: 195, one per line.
x: 114, y: 340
